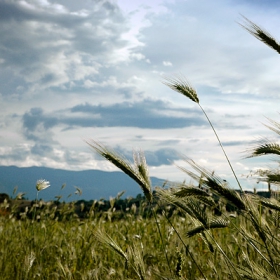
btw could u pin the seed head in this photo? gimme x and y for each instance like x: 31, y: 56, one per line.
x: 42, y: 184
x: 180, y: 85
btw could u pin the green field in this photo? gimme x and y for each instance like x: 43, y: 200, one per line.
x: 186, y: 232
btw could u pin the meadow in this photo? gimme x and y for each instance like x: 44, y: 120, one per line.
x: 185, y: 233
x: 204, y: 230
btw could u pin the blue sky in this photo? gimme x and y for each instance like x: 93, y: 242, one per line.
x: 79, y: 70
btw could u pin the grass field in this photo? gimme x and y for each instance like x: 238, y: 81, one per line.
x: 180, y: 236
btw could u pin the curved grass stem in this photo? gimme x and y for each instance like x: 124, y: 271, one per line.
x: 162, y: 242
x: 186, y: 247
x: 221, y: 145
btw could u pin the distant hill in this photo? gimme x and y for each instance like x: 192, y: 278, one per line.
x: 94, y: 184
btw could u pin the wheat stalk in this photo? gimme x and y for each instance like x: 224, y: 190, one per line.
x: 181, y: 85
x: 138, y: 172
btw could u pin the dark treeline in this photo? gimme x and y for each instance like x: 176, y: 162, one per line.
x: 113, y: 209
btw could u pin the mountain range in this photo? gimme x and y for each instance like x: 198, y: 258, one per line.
x: 94, y: 184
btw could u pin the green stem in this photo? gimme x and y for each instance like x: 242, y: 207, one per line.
x: 34, y: 212
x: 250, y: 212
x: 163, y: 243
x: 186, y: 247
x: 234, y: 174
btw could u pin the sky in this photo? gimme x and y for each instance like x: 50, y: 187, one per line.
x: 72, y: 71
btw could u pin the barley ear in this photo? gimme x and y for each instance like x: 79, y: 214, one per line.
x: 179, y: 84
x: 270, y: 203
x: 142, y: 168
x: 111, y: 244
x: 216, y: 223
x: 195, y: 192
x: 138, y: 173
x: 215, y: 184
x: 264, y: 148
x: 261, y: 34
x: 186, y: 191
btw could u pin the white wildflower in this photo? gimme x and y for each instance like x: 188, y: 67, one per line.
x: 42, y: 184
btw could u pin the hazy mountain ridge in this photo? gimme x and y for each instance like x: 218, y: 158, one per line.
x: 95, y: 184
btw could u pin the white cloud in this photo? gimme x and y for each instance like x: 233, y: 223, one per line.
x: 167, y: 63
x: 58, y: 54
x: 137, y: 56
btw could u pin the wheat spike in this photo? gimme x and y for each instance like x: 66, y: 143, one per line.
x: 180, y: 85
x: 216, y: 223
x: 215, y: 184
x: 265, y: 149
x: 139, y: 173
x: 261, y: 34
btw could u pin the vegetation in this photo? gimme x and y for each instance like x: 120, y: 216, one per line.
x: 182, y: 231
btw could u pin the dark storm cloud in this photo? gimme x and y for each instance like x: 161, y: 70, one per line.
x: 42, y: 149
x: 36, y: 127
x: 144, y: 114
x: 239, y: 143
x: 35, y: 117
x: 163, y: 156
x: 243, y: 116
x: 149, y: 114
x: 40, y: 152
x: 153, y: 114
x: 13, y: 11
x: 231, y: 125
x: 169, y: 142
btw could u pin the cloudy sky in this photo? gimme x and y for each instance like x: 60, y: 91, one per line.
x: 92, y: 69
